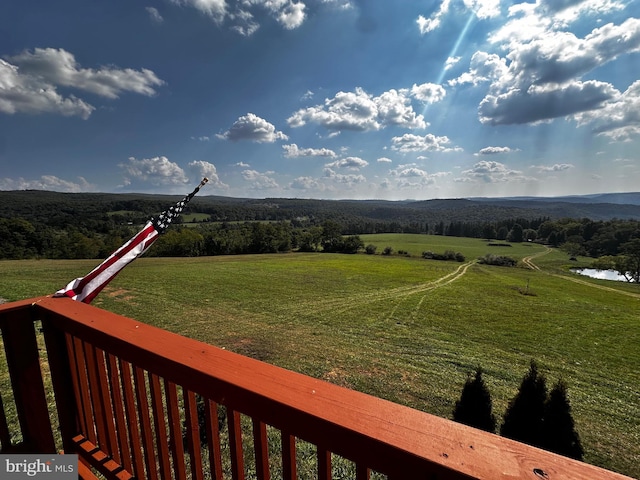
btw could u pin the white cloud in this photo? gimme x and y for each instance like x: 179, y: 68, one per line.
x: 253, y: 128
x: 244, y: 23
x: 347, y: 110
x: 156, y: 171
x: 246, y: 16
x: 292, y: 151
x: 24, y: 94
x: 558, y: 57
x: 484, y: 67
x: 306, y: 183
x: 59, y: 67
x: 384, y: 160
x: 412, y: 177
x: 291, y: 15
x: 410, y: 172
x: 619, y: 119
x: 394, y: 108
x: 494, y: 150
x: 426, y: 25
x: 427, y: 143
x: 492, y: 172
x: 216, y: 9
x: 361, y: 111
x: 565, y: 12
x: 339, y: 4
x: 29, y: 83
x: 451, y: 61
x: 484, y: 8
x: 349, y: 180
x: 260, y: 180
x: 540, y: 76
x: 154, y: 14
x: 350, y: 163
x: 558, y: 167
x: 206, y: 169
x: 541, y: 103
x: 428, y: 92
x: 481, y: 8
x: 47, y: 182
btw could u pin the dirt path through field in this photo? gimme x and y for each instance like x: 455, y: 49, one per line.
x: 395, y: 297
x: 446, y: 280
x: 594, y: 285
x: 528, y: 261
x: 341, y: 304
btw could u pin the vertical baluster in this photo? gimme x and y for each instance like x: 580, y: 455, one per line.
x: 23, y: 362
x: 105, y: 402
x: 213, y: 435
x: 73, y: 366
x: 235, y: 444
x: 289, y: 467
x: 193, y: 434
x: 261, y: 449
x: 132, y: 419
x: 362, y: 472
x: 118, y: 407
x: 83, y: 390
x: 175, y: 430
x: 324, y: 464
x: 5, y: 435
x: 145, y: 422
x: 161, y: 428
x: 99, y: 415
x: 62, y: 380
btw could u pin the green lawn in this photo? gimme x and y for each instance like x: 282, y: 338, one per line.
x: 415, y: 244
x: 392, y: 326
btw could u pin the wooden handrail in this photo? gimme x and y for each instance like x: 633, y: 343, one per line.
x: 376, y: 434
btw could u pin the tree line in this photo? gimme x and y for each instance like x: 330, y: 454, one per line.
x: 92, y: 233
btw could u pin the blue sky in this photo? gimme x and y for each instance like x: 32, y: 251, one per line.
x: 321, y: 98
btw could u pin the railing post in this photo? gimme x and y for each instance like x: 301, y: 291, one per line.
x: 21, y: 349
x: 61, y: 376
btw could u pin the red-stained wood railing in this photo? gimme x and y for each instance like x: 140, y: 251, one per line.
x: 126, y: 400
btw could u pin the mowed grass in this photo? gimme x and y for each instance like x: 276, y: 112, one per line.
x: 471, y: 248
x: 401, y: 328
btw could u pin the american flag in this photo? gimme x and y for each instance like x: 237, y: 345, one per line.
x: 86, y: 288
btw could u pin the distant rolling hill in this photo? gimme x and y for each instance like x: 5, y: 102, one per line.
x: 44, y: 205
x: 629, y: 198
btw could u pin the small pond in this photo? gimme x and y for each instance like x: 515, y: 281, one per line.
x: 601, y: 274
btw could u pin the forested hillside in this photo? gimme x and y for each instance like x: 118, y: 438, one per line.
x: 37, y: 224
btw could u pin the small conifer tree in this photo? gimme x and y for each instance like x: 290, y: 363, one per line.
x: 475, y: 407
x: 524, y: 417
x: 560, y: 435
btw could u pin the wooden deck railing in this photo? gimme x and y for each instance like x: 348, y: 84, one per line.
x: 124, y: 395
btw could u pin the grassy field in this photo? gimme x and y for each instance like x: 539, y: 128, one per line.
x: 401, y: 328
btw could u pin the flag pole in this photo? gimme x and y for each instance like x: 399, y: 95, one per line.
x: 85, y: 289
